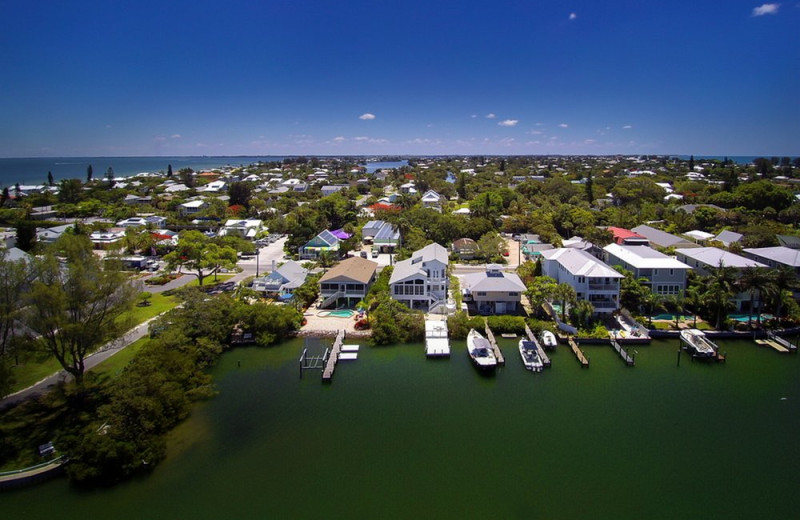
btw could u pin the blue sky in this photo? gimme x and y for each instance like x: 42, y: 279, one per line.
x: 407, y: 77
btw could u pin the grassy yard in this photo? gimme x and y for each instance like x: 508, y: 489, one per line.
x: 32, y: 370
x: 112, y: 366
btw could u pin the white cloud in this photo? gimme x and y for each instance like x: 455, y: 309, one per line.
x: 338, y: 139
x: 535, y: 132
x: 766, y: 9
x: 508, y: 122
x: 627, y: 127
x: 564, y: 125
x: 371, y: 140
x: 490, y: 116
x: 572, y: 16
x: 175, y: 136
x: 473, y: 116
x: 367, y: 116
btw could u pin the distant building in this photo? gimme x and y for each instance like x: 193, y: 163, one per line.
x: 382, y: 235
x: 662, y: 239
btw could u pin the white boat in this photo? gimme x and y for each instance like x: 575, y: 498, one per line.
x: 549, y: 339
x: 530, y: 355
x: 698, y: 343
x: 480, y: 351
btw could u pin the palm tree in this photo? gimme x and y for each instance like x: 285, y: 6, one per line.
x: 782, y: 279
x: 565, y: 293
x: 653, y: 302
x: 694, y: 299
x: 719, y: 291
x: 753, y: 280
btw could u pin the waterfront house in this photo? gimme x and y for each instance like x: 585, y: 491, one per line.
x: 665, y: 275
x: 421, y: 282
x: 382, y: 235
x: 703, y: 260
x: 662, y: 239
x: 281, y: 281
x: 347, y: 283
x: 593, y: 280
x: 324, y: 241
x: 431, y: 199
x: 775, y: 256
x: 493, y: 291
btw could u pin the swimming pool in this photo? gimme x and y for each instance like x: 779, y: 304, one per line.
x: 339, y: 313
x: 745, y: 317
x: 683, y: 317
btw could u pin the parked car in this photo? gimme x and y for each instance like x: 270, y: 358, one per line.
x: 374, y: 253
x: 363, y: 254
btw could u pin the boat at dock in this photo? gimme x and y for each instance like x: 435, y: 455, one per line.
x: 699, y: 345
x: 480, y: 351
x: 530, y: 355
x: 549, y: 340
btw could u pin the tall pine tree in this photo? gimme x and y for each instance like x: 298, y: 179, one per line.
x: 89, y: 173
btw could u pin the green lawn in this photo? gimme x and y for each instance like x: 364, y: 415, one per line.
x: 113, y: 366
x: 33, y: 370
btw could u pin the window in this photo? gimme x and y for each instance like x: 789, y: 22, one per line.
x: 513, y: 294
x: 481, y: 294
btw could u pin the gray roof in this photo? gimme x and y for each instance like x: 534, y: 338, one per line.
x: 580, y: 263
x: 780, y: 254
x: 714, y: 256
x: 790, y: 241
x: 662, y: 238
x: 493, y: 281
x: 413, y: 266
x: 729, y: 237
x: 689, y: 208
x: 643, y: 257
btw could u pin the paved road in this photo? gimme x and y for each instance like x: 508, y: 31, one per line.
x: 110, y: 348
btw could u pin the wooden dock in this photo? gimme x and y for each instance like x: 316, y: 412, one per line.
x: 333, y: 358
x: 578, y: 352
x: 498, y: 354
x: 784, y: 343
x: 542, y: 355
x: 627, y: 358
x: 437, y: 343
x: 773, y: 344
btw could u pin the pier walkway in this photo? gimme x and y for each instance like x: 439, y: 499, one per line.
x: 498, y: 354
x: 627, y: 358
x: 578, y: 352
x: 779, y: 341
x: 333, y: 358
x: 542, y: 355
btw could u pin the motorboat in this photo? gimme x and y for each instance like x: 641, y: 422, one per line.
x: 480, y: 351
x: 530, y: 355
x: 549, y: 339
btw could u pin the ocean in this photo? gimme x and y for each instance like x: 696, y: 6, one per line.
x: 34, y: 170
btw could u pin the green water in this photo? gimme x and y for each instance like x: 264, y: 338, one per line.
x: 400, y: 436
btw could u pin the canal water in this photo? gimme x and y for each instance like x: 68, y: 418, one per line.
x: 400, y: 436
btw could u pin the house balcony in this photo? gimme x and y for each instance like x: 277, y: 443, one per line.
x: 604, y: 287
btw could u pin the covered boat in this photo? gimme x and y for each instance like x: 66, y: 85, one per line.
x: 480, y: 351
x: 530, y: 355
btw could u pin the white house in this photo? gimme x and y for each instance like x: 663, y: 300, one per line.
x: 431, y: 199
x: 493, y: 291
x: 192, y: 207
x: 593, y: 280
x: 665, y: 275
x: 421, y: 282
x: 214, y: 187
x: 704, y: 259
x: 247, y: 228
